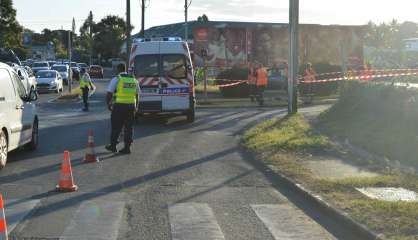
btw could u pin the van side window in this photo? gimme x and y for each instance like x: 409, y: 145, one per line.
x: 7, y: 92
x: 147, y: 66
x: 174, y: 66
x: 20, y: 89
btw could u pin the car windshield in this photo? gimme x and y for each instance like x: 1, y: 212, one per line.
x: 46, y: 74
x: 40, y: 64
x: 147, y: 65
x: 74, y: 65
x: 174, y: 66
x: 82, y: 65
x: 60, y: 68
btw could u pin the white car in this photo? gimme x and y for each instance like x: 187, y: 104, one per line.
x: 18, y: 115
x: 64, y: 70
x: 27, y: 77
x: 49, y: 81
x: 38, y: 66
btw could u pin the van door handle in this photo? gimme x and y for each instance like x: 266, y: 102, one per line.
x: 19, y: 107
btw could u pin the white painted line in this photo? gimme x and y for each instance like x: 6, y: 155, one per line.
x: 16, y: 210
x: 194, y: 221
x: 286, y: 222
x: 97, y: 219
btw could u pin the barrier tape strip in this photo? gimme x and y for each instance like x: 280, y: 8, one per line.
x: 361, y: 71
x: 233, y: 84
x: 366, y: 77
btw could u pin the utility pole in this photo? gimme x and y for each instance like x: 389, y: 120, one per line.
x: 70, y: 73
x: 91, y: 36
x: 142, y: 33
x: 293, y: 55
x: 128, y: 31
x: 186, y: 8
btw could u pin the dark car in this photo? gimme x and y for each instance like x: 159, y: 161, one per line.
x: 76, y: 73
x: 8, y: 56
x: 96, y: 71
x: 83, y: 66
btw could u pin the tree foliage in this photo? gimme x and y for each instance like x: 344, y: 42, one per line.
x: 389, y: 35
x: 203, y: 18
x: 10, y: 29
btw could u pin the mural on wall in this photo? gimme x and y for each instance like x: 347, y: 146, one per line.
x: 228, y: 47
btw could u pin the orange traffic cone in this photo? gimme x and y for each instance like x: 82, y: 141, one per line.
x: 66, y: 182
x: 3, y: 225
x: 91, y: 155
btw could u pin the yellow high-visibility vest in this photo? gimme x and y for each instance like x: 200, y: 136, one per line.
x: 126, y: 90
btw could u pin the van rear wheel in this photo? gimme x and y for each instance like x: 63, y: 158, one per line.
x: 3, y: 149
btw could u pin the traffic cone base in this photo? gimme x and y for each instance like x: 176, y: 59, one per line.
x: 66, y: 182
x: 3, y: 224
x: 91, y: 155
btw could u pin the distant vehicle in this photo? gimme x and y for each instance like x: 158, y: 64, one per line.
x: 116, y: 62
x: 83, y: 66
x: 64, y: 71
x: 7, y: 55
x: 28, y: 79
x: 49, y: 81
x: 51, y: 63
x: 76, y: 73
x: 37, y: 66
x: 18, y: 115
x: 164, y: 70
x: 96, y: 71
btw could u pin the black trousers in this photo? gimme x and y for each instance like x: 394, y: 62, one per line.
x: 85, y: 92
x: 123, y: 116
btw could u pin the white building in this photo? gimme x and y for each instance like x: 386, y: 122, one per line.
x: 411, y: 44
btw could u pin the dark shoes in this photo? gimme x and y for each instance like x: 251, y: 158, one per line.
x: 111, y: 148
x: 125, y: 150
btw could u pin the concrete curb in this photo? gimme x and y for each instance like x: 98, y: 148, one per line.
x: 341, y: 217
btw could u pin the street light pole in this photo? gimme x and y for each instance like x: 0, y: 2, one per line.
x: 186, y: 29
x: 142, y: 33
x: 128, y: 30
x: 293, y: 55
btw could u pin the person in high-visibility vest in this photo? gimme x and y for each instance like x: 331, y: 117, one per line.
x: 261, y: 83
x: 122, y: 100
x: 252, y: 81
x: 85, y: 86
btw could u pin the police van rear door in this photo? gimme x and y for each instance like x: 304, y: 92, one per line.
x: 147, y: 72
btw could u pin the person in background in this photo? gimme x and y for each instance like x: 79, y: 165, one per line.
x: 85, y: 86
x: 261, y: 83
x: 252, y: 80
x: 308, y: 78
x: 122, y: 100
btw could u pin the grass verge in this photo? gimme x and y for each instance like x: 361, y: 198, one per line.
x: 75, y: 93
x: 286, y: 144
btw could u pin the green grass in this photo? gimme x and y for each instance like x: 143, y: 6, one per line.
x: 199, y: 88
x: 380, y: 119
x: 285, y: 144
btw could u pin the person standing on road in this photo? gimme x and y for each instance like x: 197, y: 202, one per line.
x: 122, y: 100
x: 261, y: 83
x: 85, y: 86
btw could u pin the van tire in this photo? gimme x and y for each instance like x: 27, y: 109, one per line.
x: 33, y: 144
x: 3, y: 149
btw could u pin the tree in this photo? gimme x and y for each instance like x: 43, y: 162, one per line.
x: 110, y: 35
x: 203, y: 18
x: 10, y: 29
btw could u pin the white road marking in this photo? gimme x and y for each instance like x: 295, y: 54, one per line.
x: 285, y: 222
x: 16, y: 210
x: 194, y: 221
x: 97, y: 219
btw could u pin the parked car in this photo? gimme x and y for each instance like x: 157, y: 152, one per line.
x: 49, y: 81
x: 18, y: 115
x: 37, y: 66
x: 63, y: 69
x: 96, y: 71
x: 52, y: 63
x: 76, y: 73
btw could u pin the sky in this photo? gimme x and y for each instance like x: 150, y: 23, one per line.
x: 57, y: 14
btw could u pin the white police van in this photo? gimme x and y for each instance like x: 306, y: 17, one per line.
x: 18, y: 116
x: 164, y: 70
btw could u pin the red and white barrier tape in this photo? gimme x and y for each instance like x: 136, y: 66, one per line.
x: 361, y: 71
x: 365, y: 77
x: 233, y: 84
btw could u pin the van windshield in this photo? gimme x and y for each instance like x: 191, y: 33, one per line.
x: 174, y: 66
x: 146, y: 65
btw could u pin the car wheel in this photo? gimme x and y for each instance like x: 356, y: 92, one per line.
x: 33, y: 144
x: 3, y: 149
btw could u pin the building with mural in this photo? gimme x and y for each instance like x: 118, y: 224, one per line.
x: 230, y: 44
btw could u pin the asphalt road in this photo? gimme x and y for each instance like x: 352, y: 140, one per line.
x: 182, y: 181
